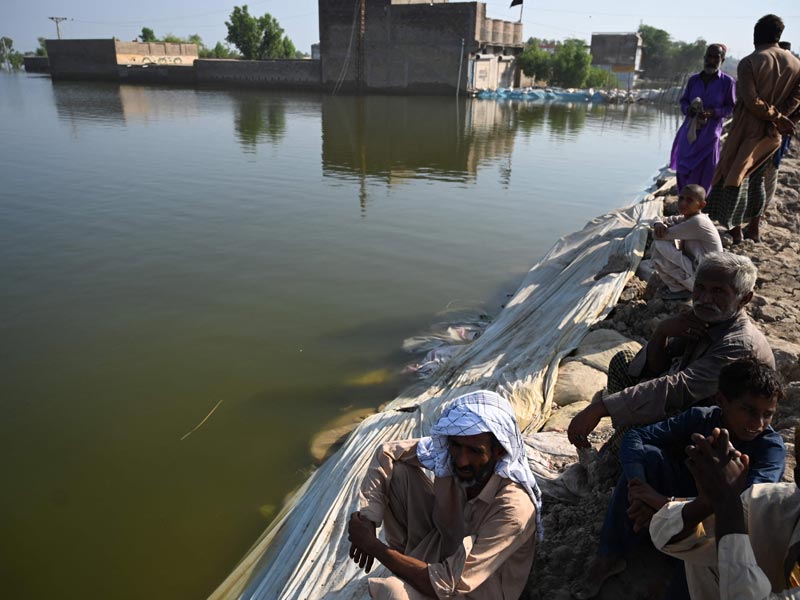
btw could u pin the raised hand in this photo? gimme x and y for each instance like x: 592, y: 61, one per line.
x: 719, y: 471
x: 686, y: 325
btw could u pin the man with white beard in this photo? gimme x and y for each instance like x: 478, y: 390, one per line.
x: 680, y: 365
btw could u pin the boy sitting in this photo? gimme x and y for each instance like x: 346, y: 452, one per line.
x: 653, y: 465
x: 695, y: 236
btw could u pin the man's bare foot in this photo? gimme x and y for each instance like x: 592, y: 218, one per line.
x: 601, y: 569
x: 736, y: 234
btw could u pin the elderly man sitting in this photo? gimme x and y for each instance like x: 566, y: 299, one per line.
x: 469, y: 533
x: 680, y: 365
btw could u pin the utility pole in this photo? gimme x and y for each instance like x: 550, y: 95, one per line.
x: 57, y: 21
x: 362, y: 30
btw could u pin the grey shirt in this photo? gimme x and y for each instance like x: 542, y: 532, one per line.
x: 693, y: 375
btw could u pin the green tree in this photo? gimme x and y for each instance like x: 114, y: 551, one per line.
x: 271, y: 38
x: 42, y: 49
x: 9, y: 58
x: 535, y: 62
x: 147, y: 35
x: 257, y: 38
x: 656, y: 51
x: 663, y: 58
x: 171, y: 38
x: 600, y: 78
x: 244, y: 32
x: 571, y: 62
x: 287, y: 49
x: 222, y: 51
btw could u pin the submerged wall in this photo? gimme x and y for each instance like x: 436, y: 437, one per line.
x: 82, y: 59
x: 282, y: 74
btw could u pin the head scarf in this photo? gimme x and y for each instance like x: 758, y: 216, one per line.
x: 480, y: 412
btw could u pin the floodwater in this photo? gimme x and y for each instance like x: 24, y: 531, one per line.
x: 167, y: 251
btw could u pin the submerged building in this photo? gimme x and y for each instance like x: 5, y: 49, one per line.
x: 415, y: 46
x: 618, y: 53
x: 103, y: 58
x: 366, y: 46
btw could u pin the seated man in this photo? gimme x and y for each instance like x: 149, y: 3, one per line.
x: 680, y: 365
x: 695, y: 236
x: 750, y: 548
x: 467, y: 534
x: 653, y: 466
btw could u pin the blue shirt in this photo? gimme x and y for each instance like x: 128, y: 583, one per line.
x: 767, y: 452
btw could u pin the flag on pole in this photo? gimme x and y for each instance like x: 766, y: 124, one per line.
x: 515, y: 3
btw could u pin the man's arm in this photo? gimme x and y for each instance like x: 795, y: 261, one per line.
x: 670, y: 433
x: 728, y: 102
x: 646, y: 401
x: 685, y: 100
x: 758, y: 106
x: 767, y: 461
x: 685, y: 325
x: 365, y: 546
x: 372, y: 496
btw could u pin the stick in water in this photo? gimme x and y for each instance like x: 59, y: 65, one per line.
x: 200, y: 424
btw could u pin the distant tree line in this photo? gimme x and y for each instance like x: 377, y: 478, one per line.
x: 568, y: 65
x: 665, y: 59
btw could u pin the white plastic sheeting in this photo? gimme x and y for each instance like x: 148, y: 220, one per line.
x: 303, y: 554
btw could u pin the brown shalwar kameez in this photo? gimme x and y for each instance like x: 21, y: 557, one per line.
x: 481, y: 549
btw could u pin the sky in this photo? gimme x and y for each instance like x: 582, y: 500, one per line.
x: 730, y: 22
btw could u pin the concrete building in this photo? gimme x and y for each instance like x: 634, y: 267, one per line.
x: 102, y: 59
x: 618, y: 53
x: 415, y: 46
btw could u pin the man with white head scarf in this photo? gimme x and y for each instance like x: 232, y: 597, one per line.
x: 469, y: 533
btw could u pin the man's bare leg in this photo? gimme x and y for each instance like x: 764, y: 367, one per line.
x: 752, y: 231
x: 601, y: 569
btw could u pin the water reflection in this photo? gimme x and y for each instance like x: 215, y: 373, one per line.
x: 398, y: 138
x: 112, y: 104
x: 80, y: 102
x: 259, y: 119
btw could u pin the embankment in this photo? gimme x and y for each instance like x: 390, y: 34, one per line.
x: 573, y: 526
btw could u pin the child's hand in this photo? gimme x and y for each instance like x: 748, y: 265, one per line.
x: 659, y: 230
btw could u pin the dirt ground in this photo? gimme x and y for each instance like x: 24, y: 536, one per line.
x: 572, y: 530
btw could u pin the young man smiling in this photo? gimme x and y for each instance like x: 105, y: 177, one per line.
x: 653, y: 466
x: 469, y: 533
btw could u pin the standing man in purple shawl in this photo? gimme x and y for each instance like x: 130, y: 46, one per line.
x: 707, y: 101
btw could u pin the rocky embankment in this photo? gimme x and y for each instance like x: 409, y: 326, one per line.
x: 573, y: 527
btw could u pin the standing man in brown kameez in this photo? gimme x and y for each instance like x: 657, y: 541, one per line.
x: 768, y: 92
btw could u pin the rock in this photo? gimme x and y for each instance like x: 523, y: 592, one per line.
x: 645, y: 270
x: 788, y: 413
x: 559, y: 420
x: 597, y: 348
x: 787, y: 358
x: 771, y: 313
x: 670, y: 206
x: 577, y: 382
